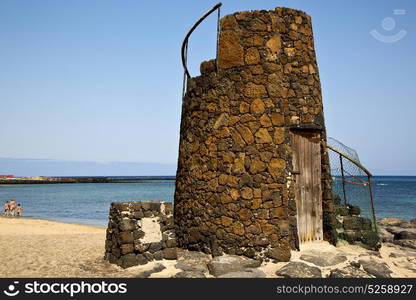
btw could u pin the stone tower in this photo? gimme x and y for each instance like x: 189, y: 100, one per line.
x: 244, y: 130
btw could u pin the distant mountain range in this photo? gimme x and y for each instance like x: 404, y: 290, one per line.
x: 49, y: 167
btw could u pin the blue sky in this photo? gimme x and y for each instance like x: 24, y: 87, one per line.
x: 101, y: 80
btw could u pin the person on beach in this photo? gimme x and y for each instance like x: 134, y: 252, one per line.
x: 19, y: 210
x: 6, y: 209
x: 12, y: 207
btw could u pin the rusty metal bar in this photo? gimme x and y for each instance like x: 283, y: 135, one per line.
x: 372, y: 202
x: 343, y: 179
x: 218, y: 36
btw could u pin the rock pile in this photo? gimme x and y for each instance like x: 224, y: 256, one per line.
x: 354, y: 228
x: 398, y: 231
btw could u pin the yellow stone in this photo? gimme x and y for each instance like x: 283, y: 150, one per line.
x: 244, y: 107
x: 224, y: 198
x: 223, y: 132
x: 234, y: 194
x: 228, y: 157
x: 195, y: 146
x: 278, y: 163
x: 290, y: 51
x: 233, y: 119
x: 213, y: 184
x: 311, y: 69
x: 278, y: 119
x: 278, y: 212
x: 247, y: 118
x: 265, y: 121
x: 229, y: 22
x: 274, y: 44
x: 256, y: 70
x: 237, y: 137
x: 238, y: 166
x: 253, y: 90
x: 247, y: 193
x: 279, y: 135
x: 257, y: 107
x: 294, y: 120
x: 257, y: 165
x: 238, y: 228
x: 256, y: 204
x: 221, y: 121
x: 268, y: 229
x: 232, y: 181
x: 263, y: 136
x: 244, y: 214
x: 207, y: 66
x: 230, y: 52
x: 275, y: 167
x: 245, y: 133
x: 257, y: 193
x: 222, y: 179
x: 226, y: 221
x: 252, y: 56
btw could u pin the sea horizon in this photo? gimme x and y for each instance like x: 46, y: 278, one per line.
x: 88, y: 203
x: 154, y: 176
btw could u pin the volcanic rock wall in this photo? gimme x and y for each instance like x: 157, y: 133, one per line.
x: 353, y: 227
x: 234, y: 188
x: 139, y: 232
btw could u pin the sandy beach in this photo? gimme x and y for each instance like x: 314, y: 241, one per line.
x: 39, y: 248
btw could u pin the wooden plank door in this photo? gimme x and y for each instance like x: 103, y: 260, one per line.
x: 307, y: 171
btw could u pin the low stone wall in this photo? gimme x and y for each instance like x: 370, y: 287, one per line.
x: 139, y: 232
x: 354, y: 228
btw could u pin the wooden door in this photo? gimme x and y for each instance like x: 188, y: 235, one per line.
x: 307, y: 171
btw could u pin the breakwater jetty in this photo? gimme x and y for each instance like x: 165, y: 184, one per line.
x: 56, y: 180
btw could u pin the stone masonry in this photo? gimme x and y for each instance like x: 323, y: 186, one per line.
x: 139, y: 232
x: 234, y: 189
x: 354, y: 228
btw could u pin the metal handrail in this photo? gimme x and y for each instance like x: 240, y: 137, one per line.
x: 184, y: 49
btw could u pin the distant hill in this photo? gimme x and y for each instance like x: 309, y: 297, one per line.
x: 50, y: 167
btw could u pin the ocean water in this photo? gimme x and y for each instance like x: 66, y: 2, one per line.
x: 395, y: 196
x: 89, y: 203
x: 84, y: 203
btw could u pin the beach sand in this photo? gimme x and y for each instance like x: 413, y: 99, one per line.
x: 39, y: 248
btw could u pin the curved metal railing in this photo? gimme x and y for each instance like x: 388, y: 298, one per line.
x: 184, y: 49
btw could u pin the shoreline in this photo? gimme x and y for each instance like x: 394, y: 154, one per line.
x: 51, y: 222
x: 36, y: 221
